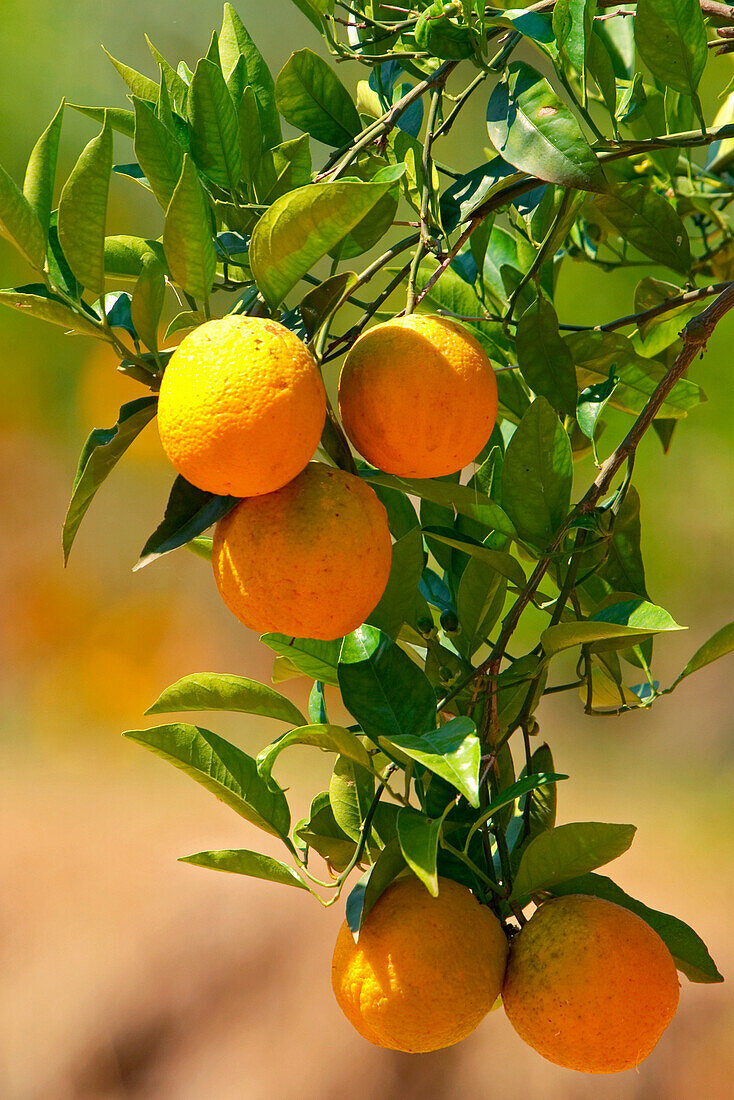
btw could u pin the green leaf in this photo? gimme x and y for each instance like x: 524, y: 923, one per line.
x: 312, y: 98
x: 102, y: 451
x: 158, y: 152
x: 543, y: 800
x: 418, y: 838
x: 719, y: 645
x: 235, y: 42
x: 301, y: 227
x: 187, y: 239
x: 447, y: 494
x: 452, y: 752
x: 595, y: 353
x: 283, y: 168
x: 479, y: 601
x: 544, y: 359
x: 176, y: 87
x: 591, y: 403
x: 537, y: 473
x: 321, y: 300
x: 36, y: 301
x: 251, y: 139
x: 385, y: 691
x: 400, y: 594
x: 620, y: 620
x: 189, y: 512
x: 121, y: 121
x: 215, y: 132
x: 533, y: 130
x: 322, y: 735
x: 313, y: 658
x: 670, y: 36
x: 322, y: 833
x: 243, y: 862
x: 221, y: 768
x: 502, y: 563
x: 525, y: 785
x: 126, y: 256
x: 139, y: 85
x: 646, y: 220
x: 40, y: 173
x: 623, y: 569
x: 568, y: 851
x: 147, y: 303
x: 689, y: 952
x: 351, y: 790
x: 83, y: 211
x: 373, y: 884
x: 218, y: 691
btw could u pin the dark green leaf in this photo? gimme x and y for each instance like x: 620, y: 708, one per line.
x: 457, y: 498
x: 242, y: 862
x: 670, y: 36
x: 592, y: 401
x: 311, y: 97
x: 314, y: 658
x: 215, y: 132
x: 689, y: 952
x: 568, y: 851
x: 623, y: 568
x: 322, y: 735
x: 189, y: 512
x: 544, y: 359
x: 399, y: 597
x: 83, y: 211
x: 418, y: 839
x: 385, y: 691
x: 646, y: 220
x: 221, y: 768
x: 532, y: 129
x: 218, y: 691
x: 373, y: 884
x: 537, y: 473
x: 101, y: 453
x: 498, y: 560
x: 322, y: 833
x: 187, y: 237
x: 452, y: 752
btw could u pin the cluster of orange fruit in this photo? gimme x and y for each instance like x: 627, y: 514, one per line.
x: 588, y: 984
x: 242, y: 407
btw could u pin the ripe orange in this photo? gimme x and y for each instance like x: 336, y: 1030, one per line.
x: 241, y: 406
x: 418, y: 396
x: 590, y: 985
x: 425, y: 971
x: 311, y: 559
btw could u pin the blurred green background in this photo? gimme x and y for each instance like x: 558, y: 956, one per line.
x: 125, y: 974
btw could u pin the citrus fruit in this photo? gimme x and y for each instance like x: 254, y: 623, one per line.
x: 424, y: 972
x: 241, y: 406
x: 311, y: 559
x: 418, y: 396
x: 590, y: 985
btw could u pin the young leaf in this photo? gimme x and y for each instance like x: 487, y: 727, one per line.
x: 189, y: 512
x: 40, y: 173
x: 719, y: 645
x: 625, y: 620
x: 313, y: 658
x: 215, y: 132
x: 217, y: 691
x: 176, y: 87
x: 384, y: 690
x: 121, y: 121
x: 126, y: 256
x: 452, y: 752
x: 235, y: 42
x: 418, y: 838
x: 302, y: 226
x: 159, y: 153
x: 221, y: 768
x: 83, y: 211
x: 532, y: 129
x: 568, y: 851
x: 187, y: 238
x: 537, y: 473
x: 139, y: 85
x: 646, y: 220
x: 102, y: 451
x: 671, y: 39
x: 20, y: 222
x: 689, y: 952
x: 544, y: 359
x: 324, y: 736
x: 351, y: 790
x: 399, y: 596
x: 243, y: 862
x: 312, y: 98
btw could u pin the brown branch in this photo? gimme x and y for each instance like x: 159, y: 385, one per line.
x: 664, y: 307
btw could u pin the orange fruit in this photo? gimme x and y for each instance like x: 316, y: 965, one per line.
x: 311, y: 559
x: 418, y: 396
x: 424, y: 972
x: 590, y: 985
x: 241, y: 407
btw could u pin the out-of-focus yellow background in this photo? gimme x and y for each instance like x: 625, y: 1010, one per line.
x: 126, y: 974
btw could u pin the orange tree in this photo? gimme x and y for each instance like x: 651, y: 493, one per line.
x: 598, y: 152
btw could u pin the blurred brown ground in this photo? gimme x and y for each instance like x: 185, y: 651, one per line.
x: 126, y: 974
